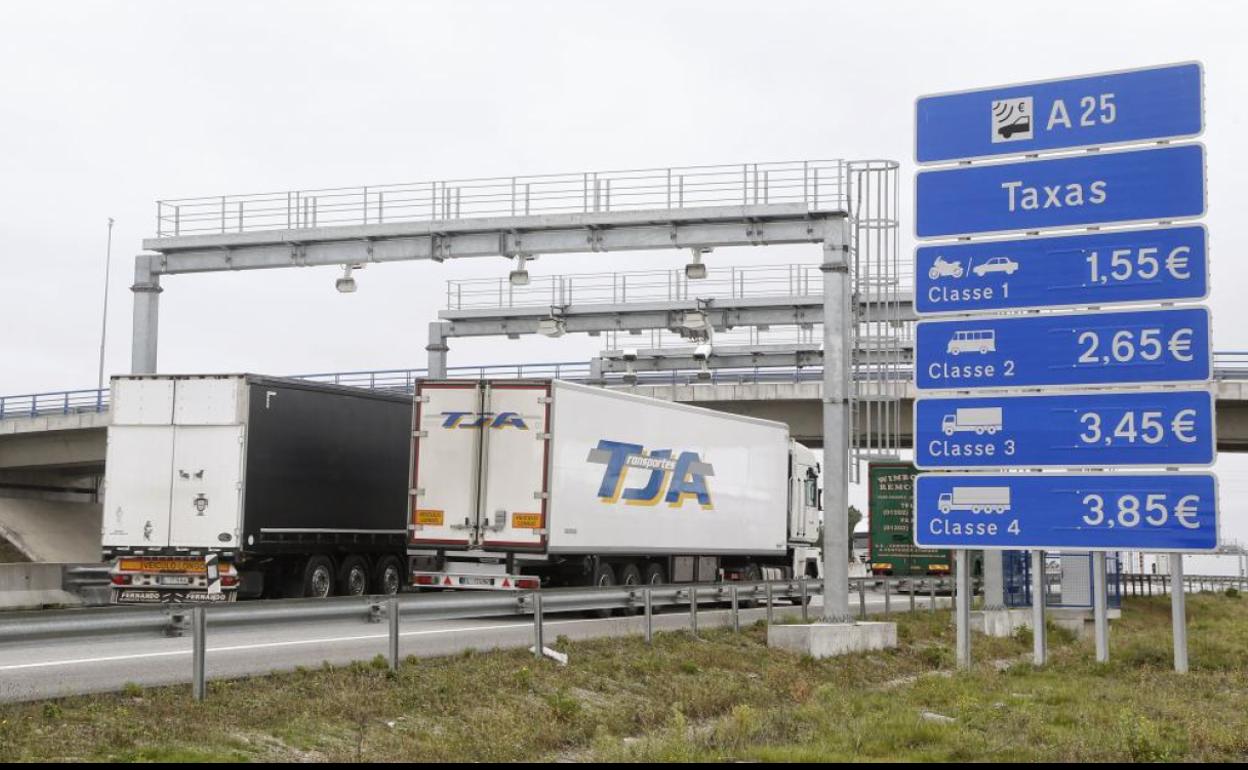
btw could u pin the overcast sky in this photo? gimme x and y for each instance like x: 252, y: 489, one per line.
x: 107, y: 106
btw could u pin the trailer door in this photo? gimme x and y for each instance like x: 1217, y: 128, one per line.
x: 515, y: 436
x: 139, y: 456
x: 206, y: 494
x: 445, y: 460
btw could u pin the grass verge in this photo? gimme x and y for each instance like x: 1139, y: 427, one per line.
x: 722, y: 697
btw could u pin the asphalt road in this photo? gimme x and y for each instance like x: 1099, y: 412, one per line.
x: 48, y: 668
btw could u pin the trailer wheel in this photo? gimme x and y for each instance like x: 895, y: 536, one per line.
x: 318, y: 577
x: 630, y: 575
x: 654, y: 575
x: 353, y: 577
x: 604, y: 575
x: 751, y: 574
x: 388, y: 576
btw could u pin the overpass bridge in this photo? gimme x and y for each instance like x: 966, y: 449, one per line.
x: 52, y: 445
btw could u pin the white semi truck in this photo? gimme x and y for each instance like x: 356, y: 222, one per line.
x: 528, y: 484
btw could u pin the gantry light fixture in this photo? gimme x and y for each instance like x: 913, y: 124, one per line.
x: 696, y: 270
x: 346, y: 284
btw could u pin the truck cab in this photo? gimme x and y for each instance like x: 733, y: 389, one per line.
x: 805, y: 511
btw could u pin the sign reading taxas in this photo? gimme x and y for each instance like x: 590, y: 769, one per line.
x: 672, y: 480
x: 1128, y: 266
x: 1093, y: 110
x: 1095, y: 188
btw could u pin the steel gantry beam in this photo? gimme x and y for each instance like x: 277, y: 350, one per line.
x: 700, y: 228
x: 686, y: 359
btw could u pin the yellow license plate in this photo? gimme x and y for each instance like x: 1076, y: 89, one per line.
x: 429, y: 516
x: 162, y: 565
x: 526, y: 521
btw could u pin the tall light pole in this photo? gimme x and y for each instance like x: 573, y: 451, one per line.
x: 108, y: 261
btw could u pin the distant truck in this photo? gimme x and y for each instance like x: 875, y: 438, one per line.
x: 978, y: 420
x: 538, y: 483
x: 239, y: 485
x: 975, y: 500
x: 890, y: 526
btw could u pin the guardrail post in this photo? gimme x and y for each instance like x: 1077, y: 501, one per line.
x: 199, y: 649
x: 538, y: 642
x: 912, y: 595
x: 888, y: 595
x: 769, y: 605
x: 393, y: 612
x: 862, y: 598
x: 649, y: 605
x: 736, y: 615
x: 931, y: 596
x: 801, y: 589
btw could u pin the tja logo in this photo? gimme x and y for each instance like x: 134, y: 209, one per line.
x: 671, y: 479
x: 482, y: 419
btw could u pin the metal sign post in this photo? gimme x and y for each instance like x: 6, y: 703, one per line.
x: 1178, y: 612
x: 1038, y: 588
x: 1100, y: 606
x: 962, y: 608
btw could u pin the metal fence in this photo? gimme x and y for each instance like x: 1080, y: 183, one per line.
x: 819, y: 185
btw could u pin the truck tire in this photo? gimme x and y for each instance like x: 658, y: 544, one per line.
x: 388, y: 576
x: 751, y: 574
x: 630, y: 575
x: 318, y: 577
x: 654, y: 575
x: 603, y: 576
x: 353, y: 576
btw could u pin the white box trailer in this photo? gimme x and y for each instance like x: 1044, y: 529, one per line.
x: 281, y: 487
x: 543, y: 482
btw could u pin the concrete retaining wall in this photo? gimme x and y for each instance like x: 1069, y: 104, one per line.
x: 33, y: 586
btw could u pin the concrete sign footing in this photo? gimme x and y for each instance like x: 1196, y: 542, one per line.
x: 1000, y: 623
x: 827, y: 640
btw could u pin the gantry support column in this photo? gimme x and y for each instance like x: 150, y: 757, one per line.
x: 437, y: 349
x: 837, y: 312
x: 146, y: 324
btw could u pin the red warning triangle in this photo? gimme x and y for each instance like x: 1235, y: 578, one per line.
x: 506, y: 583
x: 446, y: 581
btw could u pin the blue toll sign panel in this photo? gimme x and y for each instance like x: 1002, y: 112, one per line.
x: 1080, y: 430
x: 1128, y: 266
x: 1101, y: 348
x: 1092, y: 110
x: 1096, y: 188
x: 1108, y: 511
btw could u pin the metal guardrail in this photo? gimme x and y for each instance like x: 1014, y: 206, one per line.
x: 820, y: 185
x: 177, y: 620
x: 1147, y: 584
x: 1227, y: 366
